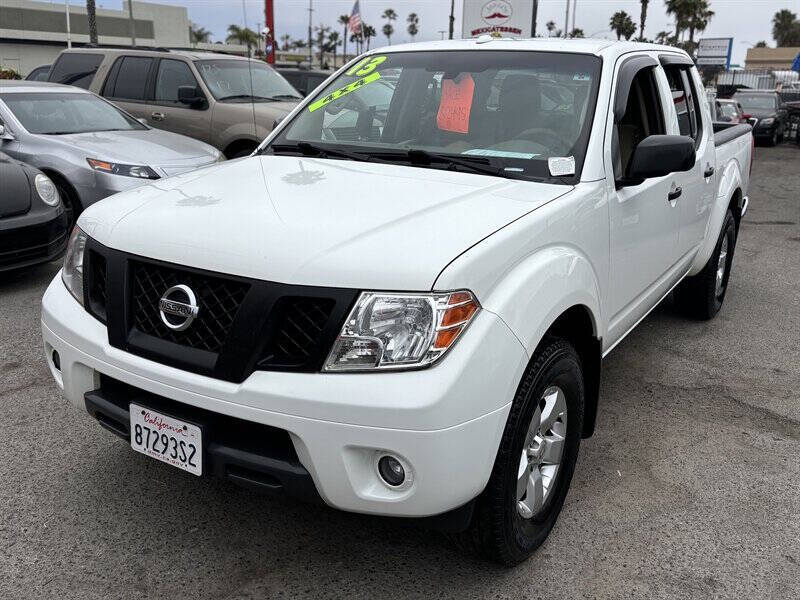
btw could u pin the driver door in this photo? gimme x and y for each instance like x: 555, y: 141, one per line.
x: 165, y: 111
x: 645, y: 218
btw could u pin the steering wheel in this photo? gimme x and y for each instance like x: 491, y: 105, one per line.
x: 553, y: 139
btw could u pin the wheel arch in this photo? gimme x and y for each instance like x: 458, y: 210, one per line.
x: 239, y: 145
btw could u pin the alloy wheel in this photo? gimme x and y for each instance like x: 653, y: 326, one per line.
x: 542, y: 452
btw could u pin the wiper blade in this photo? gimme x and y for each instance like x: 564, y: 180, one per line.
x: 248, y: 96
x: 478, y: 166
x: 309, y: 149
x: 285, y: 97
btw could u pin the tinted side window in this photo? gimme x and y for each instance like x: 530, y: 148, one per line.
x: 686, y: 101
x: 75, y: 69
x: 171, y: 75
x: 131, y: 78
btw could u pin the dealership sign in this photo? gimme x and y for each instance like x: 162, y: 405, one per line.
x: 714, y: 51
x: 501, y: 18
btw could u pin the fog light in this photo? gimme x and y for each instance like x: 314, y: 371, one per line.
x: 391, y: 471
x: 56, y: 360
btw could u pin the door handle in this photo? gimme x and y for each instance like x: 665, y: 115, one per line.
x: 709, y: 171
x: 158, y: 116
x: 674, y: 194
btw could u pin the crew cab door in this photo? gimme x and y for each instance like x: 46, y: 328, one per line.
x: 645, y: 216
x: 698, y: 184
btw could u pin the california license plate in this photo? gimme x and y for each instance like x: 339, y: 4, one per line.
x: 167, y: 439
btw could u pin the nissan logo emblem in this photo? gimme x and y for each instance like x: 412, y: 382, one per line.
x: 178, y: 307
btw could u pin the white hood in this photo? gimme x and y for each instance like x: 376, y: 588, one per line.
x: 314, y: 222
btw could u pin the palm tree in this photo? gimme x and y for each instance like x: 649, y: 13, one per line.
x: 199, y: 35
x: 368, y: 32
x: 344, y: 20
x: 242, y: 35
x: 642, y: 19
x: 680, y: 10
x: 761, y: 44
x: 413, y: 22
x: 551, y: 26
x: 287, y: 41
x: 333, y: 42
x: 390, y: 15
x: 322, y: 34
x: 622, y: 24
x: 576, y: 33
x: 91, y: 16
x: 786, y: 28
x: 698, y: 16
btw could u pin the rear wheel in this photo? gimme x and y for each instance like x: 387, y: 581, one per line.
x: 773, y: 139
x: 535, y: 461
x: 702, y: 296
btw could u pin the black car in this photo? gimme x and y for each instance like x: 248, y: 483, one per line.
x: 766, y: 112
x: 304, y: 81
x: 33, y: 225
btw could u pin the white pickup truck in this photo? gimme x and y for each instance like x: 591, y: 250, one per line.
x: 399, y: 304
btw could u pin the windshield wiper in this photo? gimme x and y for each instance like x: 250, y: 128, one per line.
x: 309, y: 149
x: 285, y: 97
x: 423, y: 157
x: 248, y: 96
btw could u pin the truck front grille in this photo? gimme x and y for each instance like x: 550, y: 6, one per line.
x: 242, y: 325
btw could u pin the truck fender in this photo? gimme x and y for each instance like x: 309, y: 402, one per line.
x: 542, y: 287
x: 730, y: 182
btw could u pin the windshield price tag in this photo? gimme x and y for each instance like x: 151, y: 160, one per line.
x: 350, y: 87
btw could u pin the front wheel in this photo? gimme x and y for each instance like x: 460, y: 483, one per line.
x: 535, y: 461
x: 702, y: 295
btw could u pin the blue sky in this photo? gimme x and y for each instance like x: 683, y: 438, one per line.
x: 748, y: 21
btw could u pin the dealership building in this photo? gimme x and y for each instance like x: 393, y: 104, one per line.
x: 33, y: 33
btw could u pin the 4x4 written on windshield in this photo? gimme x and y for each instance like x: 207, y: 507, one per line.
x: 365, y: 67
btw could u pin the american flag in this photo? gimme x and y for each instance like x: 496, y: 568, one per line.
x: 355, y: 19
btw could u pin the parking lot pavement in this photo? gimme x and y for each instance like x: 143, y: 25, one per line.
x: 689, y: 488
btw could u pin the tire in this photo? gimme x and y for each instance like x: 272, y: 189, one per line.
x: 702, y: 295
x: 242, y: 153
x: 773, y: 139
x: 72, y: 206
x: 499, y: 530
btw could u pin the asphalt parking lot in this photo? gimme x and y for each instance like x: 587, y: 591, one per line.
x: 689, y: 488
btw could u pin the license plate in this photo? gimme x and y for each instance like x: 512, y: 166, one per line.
x: 167, y: 439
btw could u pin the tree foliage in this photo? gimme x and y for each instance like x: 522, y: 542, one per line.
x: 622, y: 24
x: 413, y: 25
x: 786, y: 28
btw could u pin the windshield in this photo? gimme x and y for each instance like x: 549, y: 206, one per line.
x: 729, y: 110
x: 68, y: 112
x: 230, y: 80
x: 511, y: 110
x: 758, y: 101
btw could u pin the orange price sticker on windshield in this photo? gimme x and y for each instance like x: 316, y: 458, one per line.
x: 455, y: 105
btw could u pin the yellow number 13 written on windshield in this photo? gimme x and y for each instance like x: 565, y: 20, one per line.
x: 350, y: 87
x: 366, y: 66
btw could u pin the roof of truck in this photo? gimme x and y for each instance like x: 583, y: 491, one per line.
x: 597, y: 47
x: 193, y: 54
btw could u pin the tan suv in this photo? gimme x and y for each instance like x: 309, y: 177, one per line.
x: 227, y: 101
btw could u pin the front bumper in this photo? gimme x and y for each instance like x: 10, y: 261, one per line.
x: 445, y: 422
x: 31, y: 239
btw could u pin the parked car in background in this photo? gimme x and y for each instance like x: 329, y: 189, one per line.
x: 304, y: 81
x: 86, y: 145
x: 39, y: 74
x: 227, y: 101
x: 767, y: 114
x: 410, y: 321
x: 729, y: 111
x: 33, y: 225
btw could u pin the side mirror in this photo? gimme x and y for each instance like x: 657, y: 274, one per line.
x: 190, y: 95
x: 5, y: 134
x: 659, y: 155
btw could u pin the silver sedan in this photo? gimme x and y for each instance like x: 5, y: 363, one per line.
x: 88, y: 147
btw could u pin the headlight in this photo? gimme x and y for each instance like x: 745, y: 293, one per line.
x: 46, y: 189
x: 767, y: 121
x: 396, y: 331
x: 72, y: 273
x: 140, y: 171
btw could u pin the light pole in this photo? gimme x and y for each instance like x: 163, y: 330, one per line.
x: 566, y: 21
x: 69, y: 35
x: 133, y: 23
x: 310, y: 54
